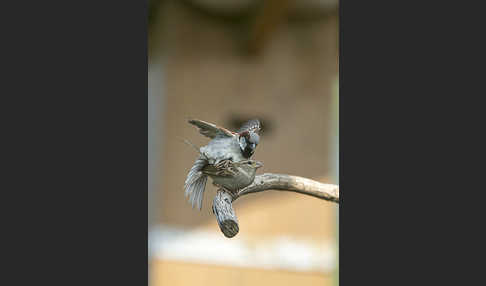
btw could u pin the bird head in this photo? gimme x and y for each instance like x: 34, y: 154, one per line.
x: 257, y: 164
x: 248, y: 143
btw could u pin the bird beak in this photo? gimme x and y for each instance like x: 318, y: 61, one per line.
x: 258, y: 164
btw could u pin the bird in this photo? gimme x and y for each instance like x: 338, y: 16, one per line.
x: 226, y: 144
x: 224, y: 148
x: 231, y: 177
x: 236, y: 176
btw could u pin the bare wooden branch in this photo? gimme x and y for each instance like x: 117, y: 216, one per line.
x: 222, y: 203
x: 225, y: 215
x: 283, y: 182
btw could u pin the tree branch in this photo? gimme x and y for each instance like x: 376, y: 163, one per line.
x: 225, y: 215
x: 283, y: 182
x: 222, y: 203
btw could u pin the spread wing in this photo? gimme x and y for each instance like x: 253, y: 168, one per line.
x: 210, y: 130
x: 252, y: 125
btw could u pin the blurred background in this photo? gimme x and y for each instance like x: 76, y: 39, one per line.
x: 226, y: 62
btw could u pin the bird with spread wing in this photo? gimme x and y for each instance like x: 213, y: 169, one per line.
x: 225, y: 159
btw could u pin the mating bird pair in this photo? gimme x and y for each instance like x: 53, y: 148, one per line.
x: 226, y: 159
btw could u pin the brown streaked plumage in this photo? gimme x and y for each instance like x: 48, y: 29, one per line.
x: 233, y: 176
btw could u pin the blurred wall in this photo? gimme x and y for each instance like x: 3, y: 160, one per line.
x: 289, y: 84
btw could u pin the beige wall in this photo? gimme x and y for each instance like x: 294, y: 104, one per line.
x: 178, y: 274
x: 290, y: 84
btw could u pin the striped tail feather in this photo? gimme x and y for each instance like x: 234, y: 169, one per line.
x: 196, y: 183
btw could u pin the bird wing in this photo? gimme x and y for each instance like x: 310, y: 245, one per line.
x: 210, y: 130
x: 252, y: 125
x: 215, y: 170
x: 211, y: 170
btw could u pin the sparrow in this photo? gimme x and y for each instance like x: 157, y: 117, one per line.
x: 226, y: 144
x: 234, y: 177
x: 224, y: 148
x: 230, y: 177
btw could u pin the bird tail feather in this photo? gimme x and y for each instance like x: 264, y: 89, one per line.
x: 196, y: 182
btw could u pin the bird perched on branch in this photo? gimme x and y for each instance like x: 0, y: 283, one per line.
x: 225, y: 149
x: 231, y: 177
x: 234, y: 177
